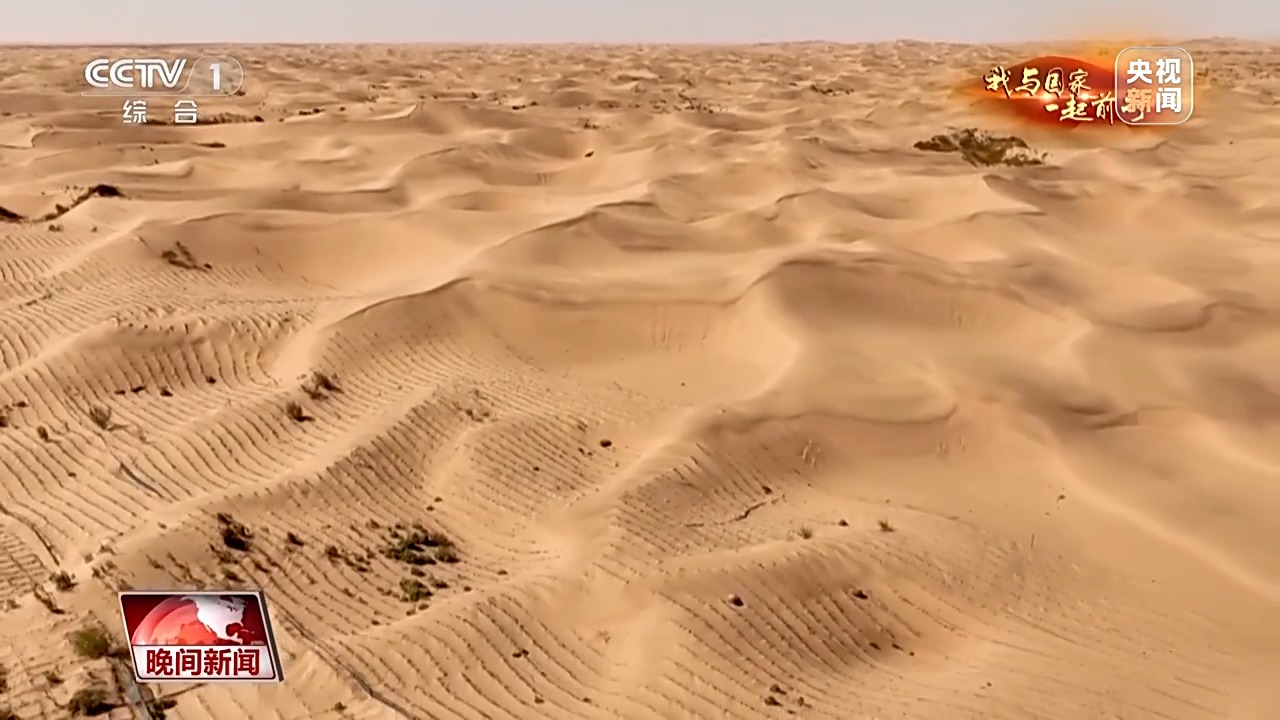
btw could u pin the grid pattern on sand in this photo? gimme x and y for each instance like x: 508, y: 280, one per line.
x: 727, y: 402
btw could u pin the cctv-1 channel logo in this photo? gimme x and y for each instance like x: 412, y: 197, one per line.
x: 209, y: 75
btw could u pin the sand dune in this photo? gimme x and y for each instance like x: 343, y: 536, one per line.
x: 733, y: 403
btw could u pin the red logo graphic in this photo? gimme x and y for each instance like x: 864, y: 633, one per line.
x: 1055, y: 90
x: 204, y: 636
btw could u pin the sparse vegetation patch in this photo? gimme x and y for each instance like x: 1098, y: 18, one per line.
x: 62, y: 581
x: 100, y: 415
x: 157, y: 707
x: 983, y: 149
x: 92, y: 643
x: 43, y: 597
x: 180, y: 256
x: 295, y: 412
x: 320, y: 386
x: 234, y: 534
x: 107, y: 191
x: 413, y: 590
x: 355, y: 561
x: 89, y: 702
x: 418, y: 546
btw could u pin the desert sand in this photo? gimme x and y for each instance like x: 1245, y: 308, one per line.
x: 729, y: 402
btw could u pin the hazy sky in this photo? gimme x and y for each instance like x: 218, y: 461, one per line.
x: 122, y: 21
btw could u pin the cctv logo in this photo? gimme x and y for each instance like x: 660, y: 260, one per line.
x: 132, y: 73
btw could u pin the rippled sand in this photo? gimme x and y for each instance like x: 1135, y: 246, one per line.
x: 733, y: 404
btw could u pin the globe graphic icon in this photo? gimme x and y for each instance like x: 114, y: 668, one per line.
x: 199, y: 620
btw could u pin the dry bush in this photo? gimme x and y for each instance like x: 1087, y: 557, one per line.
x: 295, y: 412
x: 43, y: 597
x: 419, y: 546
x: 180, y: 256
x: 413, y: 590
x: 983, y: 149
x: 234, y: 534
x: 158, y: 707
x: 101, y: 416
x: 90, y: 701
x: 92, y: 643
x: 320, y: 386
x: 62, y: 581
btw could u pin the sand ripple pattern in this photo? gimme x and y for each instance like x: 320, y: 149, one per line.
x: 734, y: 405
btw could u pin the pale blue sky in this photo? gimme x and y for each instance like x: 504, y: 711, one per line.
x: 158, y: 21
